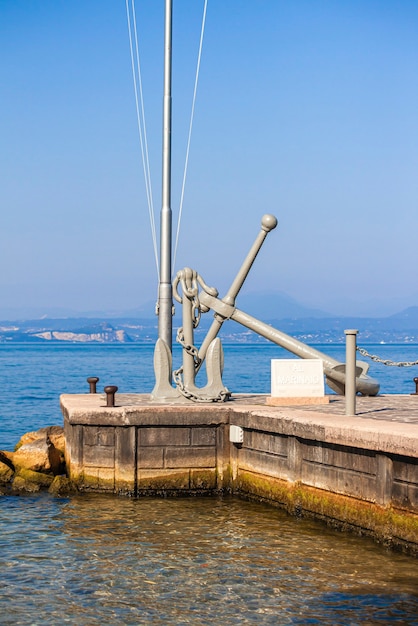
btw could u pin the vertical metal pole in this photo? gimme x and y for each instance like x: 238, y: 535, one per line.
x: 165, y: 291
x: 350, y: 371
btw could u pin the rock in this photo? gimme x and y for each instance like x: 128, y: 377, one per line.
x: 30, y: 481
x: 27, y: 438
x: 6, y: 473
x: 40, y: 455
x: 62, y: 486
x: 54, y: 433
x: 5, y: 457
x: 20, y: 484
x: 57, y: 439
x: 38, y: 458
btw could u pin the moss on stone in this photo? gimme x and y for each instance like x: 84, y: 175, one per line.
x: 62, y: 486
x: 224, y: 480
x: 87, y: 482
x: 32, y: 478
x: 20, y: 484
x: 389, y: 525
x: 203, y: 479
x: 165, y: 481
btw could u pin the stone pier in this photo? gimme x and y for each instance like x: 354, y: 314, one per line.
x: 359, y: 471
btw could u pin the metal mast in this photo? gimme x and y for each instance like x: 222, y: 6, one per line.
x: 165, y: 291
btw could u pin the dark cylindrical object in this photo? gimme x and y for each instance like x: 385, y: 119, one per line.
x: 92, y: 381
x: 110, y: 394
x: 416, y: 387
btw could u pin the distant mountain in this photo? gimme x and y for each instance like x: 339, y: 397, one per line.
x: 264, y: 305
x: 274, y: 308
x: 408, y: 317
x: 276, y: 305
x: 146, y: 310
x: 79, y: 330
x: 392, y: 329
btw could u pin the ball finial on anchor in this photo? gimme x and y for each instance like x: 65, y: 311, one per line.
x: 268, y: 222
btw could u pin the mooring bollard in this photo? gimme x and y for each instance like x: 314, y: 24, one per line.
x: 350, y: 371
x: 110, y: 395
x: 416, y: 387
x: 92, y: 381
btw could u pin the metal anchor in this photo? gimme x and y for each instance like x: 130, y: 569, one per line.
x: 184, y: 377
x: 211, y: 349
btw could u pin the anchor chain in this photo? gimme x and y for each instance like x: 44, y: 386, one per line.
x: 190, y: 349
x: 191, y: 291
x: 178, y: 379
x: 388, y: 362
x: 177, y: 376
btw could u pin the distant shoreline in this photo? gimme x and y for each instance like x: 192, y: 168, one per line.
x: 402, y: 329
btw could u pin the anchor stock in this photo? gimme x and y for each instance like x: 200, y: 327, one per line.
x: 195, y: 302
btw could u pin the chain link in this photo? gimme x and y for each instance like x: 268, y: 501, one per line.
x: 377, y: 359
x: 178, y: 379
x: 178, y: 374
x: 190, y: 349
x: 190, y: 281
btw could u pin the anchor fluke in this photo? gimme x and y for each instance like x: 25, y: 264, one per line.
x: 163, y: 389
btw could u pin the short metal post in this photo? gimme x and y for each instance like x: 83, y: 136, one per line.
x: 110, y: 391
x: 92, y: 381
x: 350, y: 371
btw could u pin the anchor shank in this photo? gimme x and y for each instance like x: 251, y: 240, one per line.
x: 265, y: 330
x: 332, y: 368
x: 188, y: 335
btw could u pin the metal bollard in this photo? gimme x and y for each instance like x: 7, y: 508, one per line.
x: 350, y: 371
x: 92, y: 381
x: 110, y: 391
x: 416, y: 387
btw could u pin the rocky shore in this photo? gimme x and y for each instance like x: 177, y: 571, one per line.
x: 36, y: 464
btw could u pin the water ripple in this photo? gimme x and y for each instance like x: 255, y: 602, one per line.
x: 102, y: 560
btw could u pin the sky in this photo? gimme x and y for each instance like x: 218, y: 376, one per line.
x: 306, y: 109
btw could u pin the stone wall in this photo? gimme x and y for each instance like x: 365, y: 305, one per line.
x: 187, y: 448
x: 365, y: 465
x: 163, y: 450
x: 357, y: 472
x: 329, y: 467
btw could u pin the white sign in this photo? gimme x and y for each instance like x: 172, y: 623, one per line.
x: 297, y: 378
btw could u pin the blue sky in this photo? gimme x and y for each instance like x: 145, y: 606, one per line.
x: 306, y: 109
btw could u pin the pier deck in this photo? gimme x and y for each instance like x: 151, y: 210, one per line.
x: 359, y: 471
x: 390, y: 407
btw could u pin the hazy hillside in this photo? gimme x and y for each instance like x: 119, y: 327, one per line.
x: 399, y: 328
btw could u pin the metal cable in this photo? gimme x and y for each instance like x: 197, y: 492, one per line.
x: 190, y: 132
x: 140, y: 115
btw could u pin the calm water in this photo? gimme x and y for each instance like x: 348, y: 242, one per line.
x: 34, y: 375
x: 191, y: 561
x: 105, y: 560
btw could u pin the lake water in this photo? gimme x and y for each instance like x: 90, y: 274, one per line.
x: 34, y: 375
x: 93, y: 559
